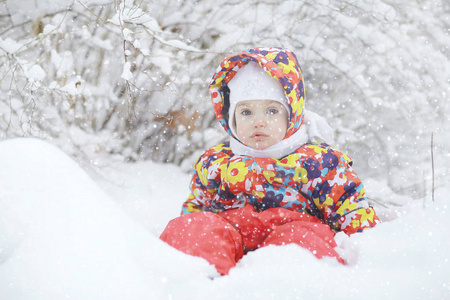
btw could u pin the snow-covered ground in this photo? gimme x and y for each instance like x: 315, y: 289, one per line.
x: 65, y: 234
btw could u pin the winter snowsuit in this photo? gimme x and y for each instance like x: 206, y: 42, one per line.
x: 239, y: 203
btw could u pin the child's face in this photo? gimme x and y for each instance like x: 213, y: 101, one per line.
x: 260, y: 123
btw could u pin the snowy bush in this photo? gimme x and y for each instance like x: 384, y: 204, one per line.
x: 129, y: 79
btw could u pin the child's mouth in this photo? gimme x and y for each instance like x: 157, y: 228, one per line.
x: 259, y: 135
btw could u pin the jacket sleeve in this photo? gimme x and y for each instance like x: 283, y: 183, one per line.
x: 337, y: 193
x: 192, y: 204
x: 205, y: 180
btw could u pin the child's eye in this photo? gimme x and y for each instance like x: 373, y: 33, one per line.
x: 272, y: 111
x: 246, y: 112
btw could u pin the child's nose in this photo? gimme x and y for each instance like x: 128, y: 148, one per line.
x: 259, y: 122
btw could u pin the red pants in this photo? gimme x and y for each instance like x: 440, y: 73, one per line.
x: 223, y: 239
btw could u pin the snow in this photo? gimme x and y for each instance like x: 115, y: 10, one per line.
x: 63, y: 63
x: 35, y: 72
x: 10, y: 46
x: 63, y: 237
x: 126, y: 73
x: 181, y: 45
x: 69, y: 232
x: 49, y: 28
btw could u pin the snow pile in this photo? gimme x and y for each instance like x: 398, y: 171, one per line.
x: 64, y: 235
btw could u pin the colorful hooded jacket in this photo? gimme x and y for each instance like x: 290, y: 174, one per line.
x: 315, y: 178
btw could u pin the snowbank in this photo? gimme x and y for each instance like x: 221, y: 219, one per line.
x: 61, y: 236
x: 65, y: 235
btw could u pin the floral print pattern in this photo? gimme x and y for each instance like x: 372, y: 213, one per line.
x: 316, y: 179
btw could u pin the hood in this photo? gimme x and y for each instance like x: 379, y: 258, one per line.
x: 279, y: 63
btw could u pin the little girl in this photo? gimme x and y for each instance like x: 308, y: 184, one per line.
x: 271, y: 184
